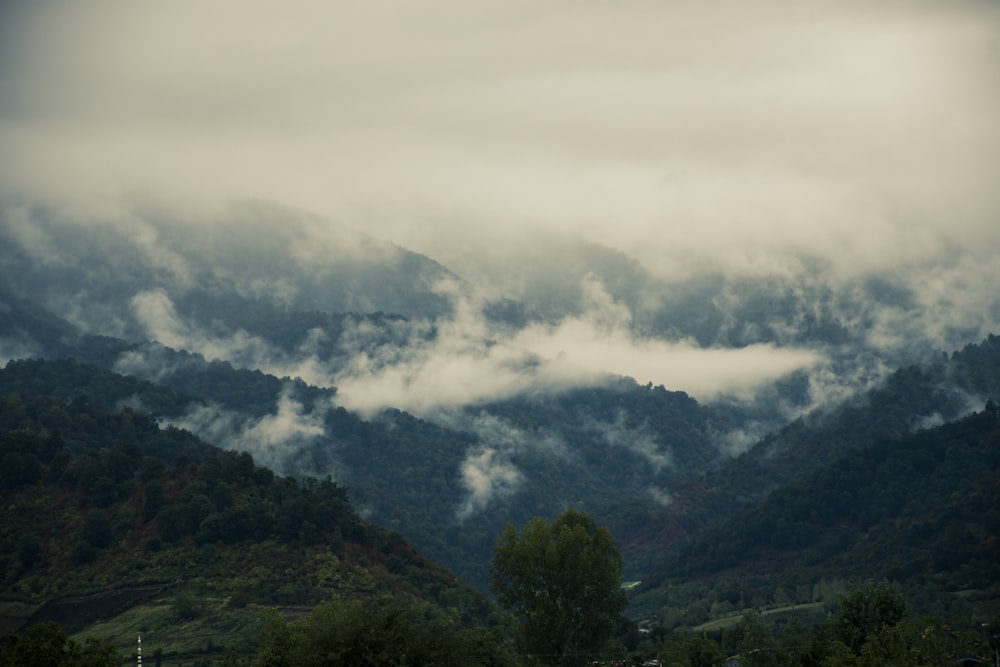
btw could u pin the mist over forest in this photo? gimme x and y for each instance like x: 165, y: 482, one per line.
x: 483, y: 263
x: 225, y: 288
x: 710, y: 215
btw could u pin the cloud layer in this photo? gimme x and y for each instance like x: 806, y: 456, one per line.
x: 683, y: 134
x: 467, y: 361
x: 743, y: 140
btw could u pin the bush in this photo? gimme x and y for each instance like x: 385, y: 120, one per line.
x: 82, y: 553
x: 97, y: 531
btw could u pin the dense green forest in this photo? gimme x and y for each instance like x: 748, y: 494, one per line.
x: 107, y: 514
x: 911, y: 398
x: 118, y: 520
x: 595, y: 446
x: 922, y: 510
x: 645, y: 460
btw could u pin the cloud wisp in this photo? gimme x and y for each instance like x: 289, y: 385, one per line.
x: 274, y: 440
x: 467, y: 363
x: 488, y: 473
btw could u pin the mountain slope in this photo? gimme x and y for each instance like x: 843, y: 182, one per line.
x: 922, y: 510
x: 97, y: 519
x: 92, y: 268
x: 942, y: 389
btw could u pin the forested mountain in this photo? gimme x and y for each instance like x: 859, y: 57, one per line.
x: 442, y: 410
x: 449, y: 489
x: 90, y: 269
x: 108, y: 515
x: 922, y: 510
x: 351, y: 292
x: 919, y: 396
x: 651, y: 463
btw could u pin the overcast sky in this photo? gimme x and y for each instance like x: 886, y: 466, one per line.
x: 731, y: 130
x: 691, y: 135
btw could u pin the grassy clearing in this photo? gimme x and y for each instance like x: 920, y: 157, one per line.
x: 209, y: 630
x: 729, y: 621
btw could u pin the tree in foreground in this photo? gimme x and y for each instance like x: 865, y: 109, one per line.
x: 866, y: 611
x: 371, y: 634
x: 562, y: 583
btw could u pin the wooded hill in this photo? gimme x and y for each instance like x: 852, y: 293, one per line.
x: 944, y: 388
x: 641, y: 459
x: 922, y: 510
x: 108, y: 515
x: 591, y: 446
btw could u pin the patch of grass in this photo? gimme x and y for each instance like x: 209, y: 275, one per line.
x: 729, y: 621
x: 213, y: 629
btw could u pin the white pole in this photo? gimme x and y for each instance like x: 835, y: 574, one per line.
x: 140, y: 651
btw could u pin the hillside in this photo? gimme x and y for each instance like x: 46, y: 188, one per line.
x: 943, y: 388
x: 92, y: 269
x: 427, y: 413
x: 449, y: 485
x: 109, y: 518
x: 647, y: 461
x: 922, y: 510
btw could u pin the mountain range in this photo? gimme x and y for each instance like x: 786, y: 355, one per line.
x: 723, y: 427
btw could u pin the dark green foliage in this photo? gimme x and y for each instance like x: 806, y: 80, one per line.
x: 152, y: 499
x: 695, y: 651
x: 581, y: 444
x: 29, y: 550
x: 70, y: 406
x: 902, y: 486
x: 407, y: 471
x: 921, y: 509
x: 48, y: 645
x: 561, y: 581
x: 373, y: 634
x: 82, y: 553
x: 185, y: 607
x: 17, y: 469
x: 97, y: 529
x: 866, y: 611
x: 891, y: 638
x: 69, y: 379
x: 234, y: 526
x: 909, y: 398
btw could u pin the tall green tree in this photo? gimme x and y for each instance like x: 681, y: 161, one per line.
x: 372, y: 634
x: 866, y: 610
x: 562, y: 583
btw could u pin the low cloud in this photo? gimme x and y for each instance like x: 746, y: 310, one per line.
x: 733, y: 140
x: 12, y: 348
x: 488, y: 472
x: 659, y: 495
x: 639, y: 441
x: 466, y: 362
x: 486, y: 477
x: 274, y: 440
x: 462, y: 360
x: 155, y: 312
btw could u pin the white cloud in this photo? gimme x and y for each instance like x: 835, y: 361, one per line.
x: 488, y: 472
x: 466, y: 363
x: 486, y: 477
x: 639, y: 441
x: 155, y: 312
x: 273, y: 439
